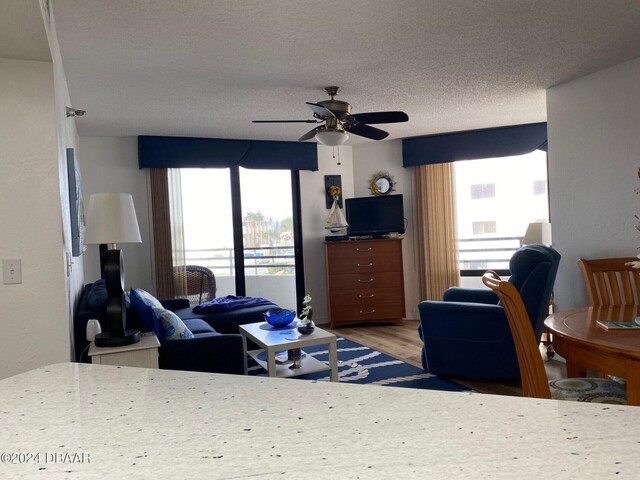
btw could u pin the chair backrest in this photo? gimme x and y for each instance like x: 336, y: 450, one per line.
x: 532, y: 372
x: 610, y: 281
x: 200, y: 284
x: 533, y: 273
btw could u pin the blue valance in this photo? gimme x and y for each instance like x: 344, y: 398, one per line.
x: 474, y: 144
x: 186, y: 152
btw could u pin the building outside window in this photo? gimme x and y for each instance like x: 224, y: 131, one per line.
x: 490, y: 230
x: 483, y: 190
x: 539, y: 187
x: 478, y: 228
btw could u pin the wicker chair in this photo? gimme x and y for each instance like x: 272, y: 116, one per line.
x: 200, y: 283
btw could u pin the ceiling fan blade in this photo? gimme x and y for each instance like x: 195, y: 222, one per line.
x: 309, y: 134
x: 320, y: 111
x: 367, y: 131
x: 284, y: 121
x: 381, y: 117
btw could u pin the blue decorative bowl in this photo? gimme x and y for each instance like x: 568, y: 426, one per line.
x: 279, y: 317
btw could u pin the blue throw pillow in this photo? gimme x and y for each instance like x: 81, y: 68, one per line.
x: 144, y: 303
x: 171, y: 325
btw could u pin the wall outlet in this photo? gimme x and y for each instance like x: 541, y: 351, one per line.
x: 12, y: 271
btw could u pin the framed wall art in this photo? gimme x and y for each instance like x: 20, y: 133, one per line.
x: 76, y: 206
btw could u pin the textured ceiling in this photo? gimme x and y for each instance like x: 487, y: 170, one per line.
x: 207, y: 68
x: 22, y: 34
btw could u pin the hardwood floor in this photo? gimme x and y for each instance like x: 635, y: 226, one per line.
x: 403, y: 342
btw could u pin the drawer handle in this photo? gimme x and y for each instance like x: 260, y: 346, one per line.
x: 363, y: 249
x: 365, y: 264
x: 366, y: 296
x: 365, y: 281
x: 370, y: 311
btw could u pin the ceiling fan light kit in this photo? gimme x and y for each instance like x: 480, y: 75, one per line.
x: 331, y: 138
x: 339, y: 121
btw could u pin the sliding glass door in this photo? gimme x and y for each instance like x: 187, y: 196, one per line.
x: 267, y: 235
x: 208, y: 224
x: 244, y: 225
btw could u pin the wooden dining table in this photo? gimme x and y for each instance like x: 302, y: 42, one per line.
x: 586, y: 345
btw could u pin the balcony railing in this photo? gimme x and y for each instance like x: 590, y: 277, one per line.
x: 257, y: 260
x: 477, y: 255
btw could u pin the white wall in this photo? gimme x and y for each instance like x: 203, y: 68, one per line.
x: 314, y: 216
x: 369, y: 159
x: 594, y: 154
x: 110, y: 164
x: 35, y: 313
x: 67, y: 137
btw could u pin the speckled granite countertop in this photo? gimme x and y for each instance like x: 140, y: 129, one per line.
x: 93, y: 421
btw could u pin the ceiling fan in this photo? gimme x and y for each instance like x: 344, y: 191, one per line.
x: 339, y: 121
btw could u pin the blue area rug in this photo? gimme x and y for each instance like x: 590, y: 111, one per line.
x: 363, y: 365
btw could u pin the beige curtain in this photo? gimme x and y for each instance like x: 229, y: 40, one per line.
x: 177, y: 233
x: 436, y: 230
x: 168, y: 236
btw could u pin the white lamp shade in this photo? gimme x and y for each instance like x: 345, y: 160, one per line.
x: 332, y: 138
x: 111, y: 218
x: 537, y: 233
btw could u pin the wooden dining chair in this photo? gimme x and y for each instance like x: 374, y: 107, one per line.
x: 610, y: 281
x: 532, y: 372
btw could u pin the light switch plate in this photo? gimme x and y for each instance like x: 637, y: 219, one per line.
x: 11, y: 271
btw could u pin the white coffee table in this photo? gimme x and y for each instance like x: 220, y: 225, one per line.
x: 275, y: 340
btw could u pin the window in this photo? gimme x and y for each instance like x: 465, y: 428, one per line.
x: 483, y: 190
x: 479, y: 228
x: 489, y: 244
x: 539, y: 187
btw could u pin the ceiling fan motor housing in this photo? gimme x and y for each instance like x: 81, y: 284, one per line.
x: 339, y: 108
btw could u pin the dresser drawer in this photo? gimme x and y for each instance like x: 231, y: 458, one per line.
x: 354, y: 281
x: 367, y: 256
x: 365, y: 296
x: 358, y: 313
x: 354, y: 252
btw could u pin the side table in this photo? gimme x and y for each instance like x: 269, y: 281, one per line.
x: 141, y: 354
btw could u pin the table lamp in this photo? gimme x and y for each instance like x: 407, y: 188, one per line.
x: 537, y: 233
x: 111, y: 219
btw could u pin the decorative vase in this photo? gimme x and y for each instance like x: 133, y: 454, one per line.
x: 307, y: 329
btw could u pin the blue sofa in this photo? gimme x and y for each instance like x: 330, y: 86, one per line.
x: 216, y: 347
x: 467, y: 334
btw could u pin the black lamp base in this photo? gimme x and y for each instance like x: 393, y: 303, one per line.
x: 105, y: 339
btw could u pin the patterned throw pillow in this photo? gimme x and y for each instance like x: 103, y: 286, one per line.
x: 171, y: 326
x: 144, y: 303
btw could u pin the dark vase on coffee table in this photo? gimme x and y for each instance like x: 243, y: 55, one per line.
x: 307, y: 329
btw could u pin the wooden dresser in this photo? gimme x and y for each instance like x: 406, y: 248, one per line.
x: 365, y: 281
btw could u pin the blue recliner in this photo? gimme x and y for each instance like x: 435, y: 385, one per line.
x: 467, y: 334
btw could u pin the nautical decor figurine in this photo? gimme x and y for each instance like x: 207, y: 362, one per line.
x: 306, y: 325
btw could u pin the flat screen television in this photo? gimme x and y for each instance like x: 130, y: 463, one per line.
x: 375, y: 216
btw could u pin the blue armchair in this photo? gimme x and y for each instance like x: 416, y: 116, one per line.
x: 467, y: 334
